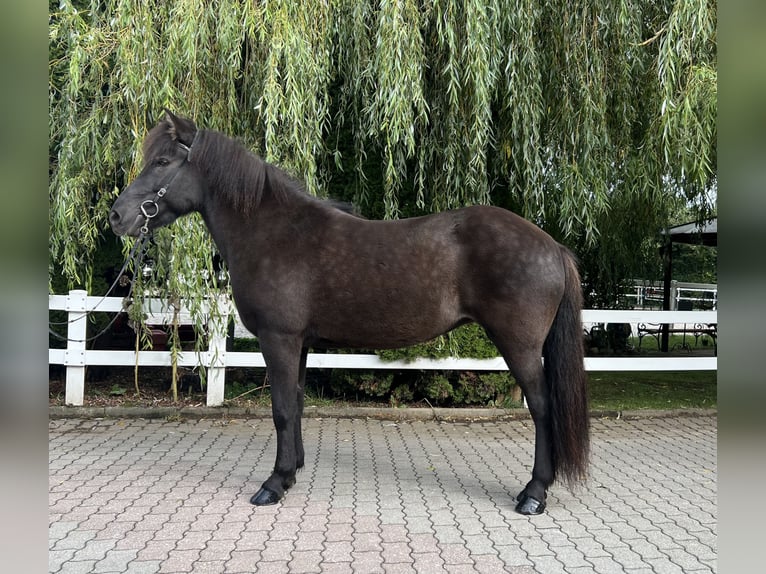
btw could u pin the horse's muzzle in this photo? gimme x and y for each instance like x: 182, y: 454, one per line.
x: 121, y: 227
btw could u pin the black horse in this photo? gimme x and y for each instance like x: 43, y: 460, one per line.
x: 306, y: 273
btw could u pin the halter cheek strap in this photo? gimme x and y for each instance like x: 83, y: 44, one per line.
x: 190, y: 146
x: 150, y: 209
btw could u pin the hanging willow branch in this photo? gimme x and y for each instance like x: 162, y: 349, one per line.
x: 569, y: 113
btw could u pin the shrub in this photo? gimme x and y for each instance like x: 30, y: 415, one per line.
x: 472, y: 388
x: 469, y: 342
x: 375, y: 384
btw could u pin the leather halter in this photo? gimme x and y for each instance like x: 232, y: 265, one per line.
x: 149, y: 207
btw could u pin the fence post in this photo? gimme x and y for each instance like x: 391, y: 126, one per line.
x: 674, y: 295
x: 75, y: 350
x: 216, y: 373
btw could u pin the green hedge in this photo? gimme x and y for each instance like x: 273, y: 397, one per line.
x: 440, y: 388
x: 466, y: 342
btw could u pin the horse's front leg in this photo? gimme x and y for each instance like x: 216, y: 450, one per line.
x: 299, y: 453
x: 283, y: 356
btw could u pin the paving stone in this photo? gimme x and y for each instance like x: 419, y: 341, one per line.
x: 367, y: 562
x: 665, y: 566
x: 216, y: 550
x: 549, y: 565
x: 394, y: 552
x: 146, y: 496
x: 606, y: 565
x: 96, y: 549
x: 77, y: 567
x: 115, y: 561
x: 339, y: 532
x: 479, y: 544
x: 366, y: 542
x: 157, y: 550
x: 274, y: 567
x: 180, y: 561
x: 337, y: 551
x: 427, y: 562
x: 489, y: 564
x: 59, y: 558
x: 209, y: 566
x: 59, y: 529
x: 455, y: 554
x: 242, y: 561
x: 306, y: 561
x: 394, y: 533
x: 75, y: 539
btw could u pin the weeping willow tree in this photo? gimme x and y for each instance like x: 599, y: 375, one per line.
x: 594, y: 119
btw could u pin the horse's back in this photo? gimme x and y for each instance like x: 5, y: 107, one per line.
x: 489, y: 248
x: 385, y: 283
x: 394, y: 283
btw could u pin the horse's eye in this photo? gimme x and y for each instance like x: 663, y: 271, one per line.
x: 162, y: 161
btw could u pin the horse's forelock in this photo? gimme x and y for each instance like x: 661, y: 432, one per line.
x: 158, y: 142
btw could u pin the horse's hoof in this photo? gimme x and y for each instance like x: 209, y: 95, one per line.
x: 529, y: 506
x: 265, y: 497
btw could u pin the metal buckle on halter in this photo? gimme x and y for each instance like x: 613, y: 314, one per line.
x: 147, y: 216
x: 143, y: 209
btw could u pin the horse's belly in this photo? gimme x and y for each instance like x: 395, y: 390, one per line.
x: 390, y: 322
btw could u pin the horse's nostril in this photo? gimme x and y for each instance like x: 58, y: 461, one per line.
x: 114, y: 217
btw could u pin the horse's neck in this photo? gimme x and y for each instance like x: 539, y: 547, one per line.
x: 235, y: 232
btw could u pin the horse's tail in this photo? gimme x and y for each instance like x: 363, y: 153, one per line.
x: 567, y: 381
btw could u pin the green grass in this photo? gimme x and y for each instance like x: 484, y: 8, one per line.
x: 675, y: 341
x: 609, y: 391
x: 653, y: 390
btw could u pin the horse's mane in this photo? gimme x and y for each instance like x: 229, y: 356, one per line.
x: 237, y: 175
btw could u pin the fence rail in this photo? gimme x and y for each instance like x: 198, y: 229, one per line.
x: 682, y: 295
x: 216, y: 359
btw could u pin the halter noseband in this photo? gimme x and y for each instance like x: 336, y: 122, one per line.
x: 148, y: 205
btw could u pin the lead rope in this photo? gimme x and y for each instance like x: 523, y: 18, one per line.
x: 136, y: 256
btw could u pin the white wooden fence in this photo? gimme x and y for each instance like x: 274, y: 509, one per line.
x: 650, y: 294
x: 76, y: 357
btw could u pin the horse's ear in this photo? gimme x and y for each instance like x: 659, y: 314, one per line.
x: 180, y: 129
x: 170, y: 118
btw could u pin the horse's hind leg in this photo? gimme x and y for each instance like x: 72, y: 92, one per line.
x: 283, y: 364
x: 526, y: 366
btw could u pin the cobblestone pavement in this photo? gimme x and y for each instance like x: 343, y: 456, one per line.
x: 144, y: 496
